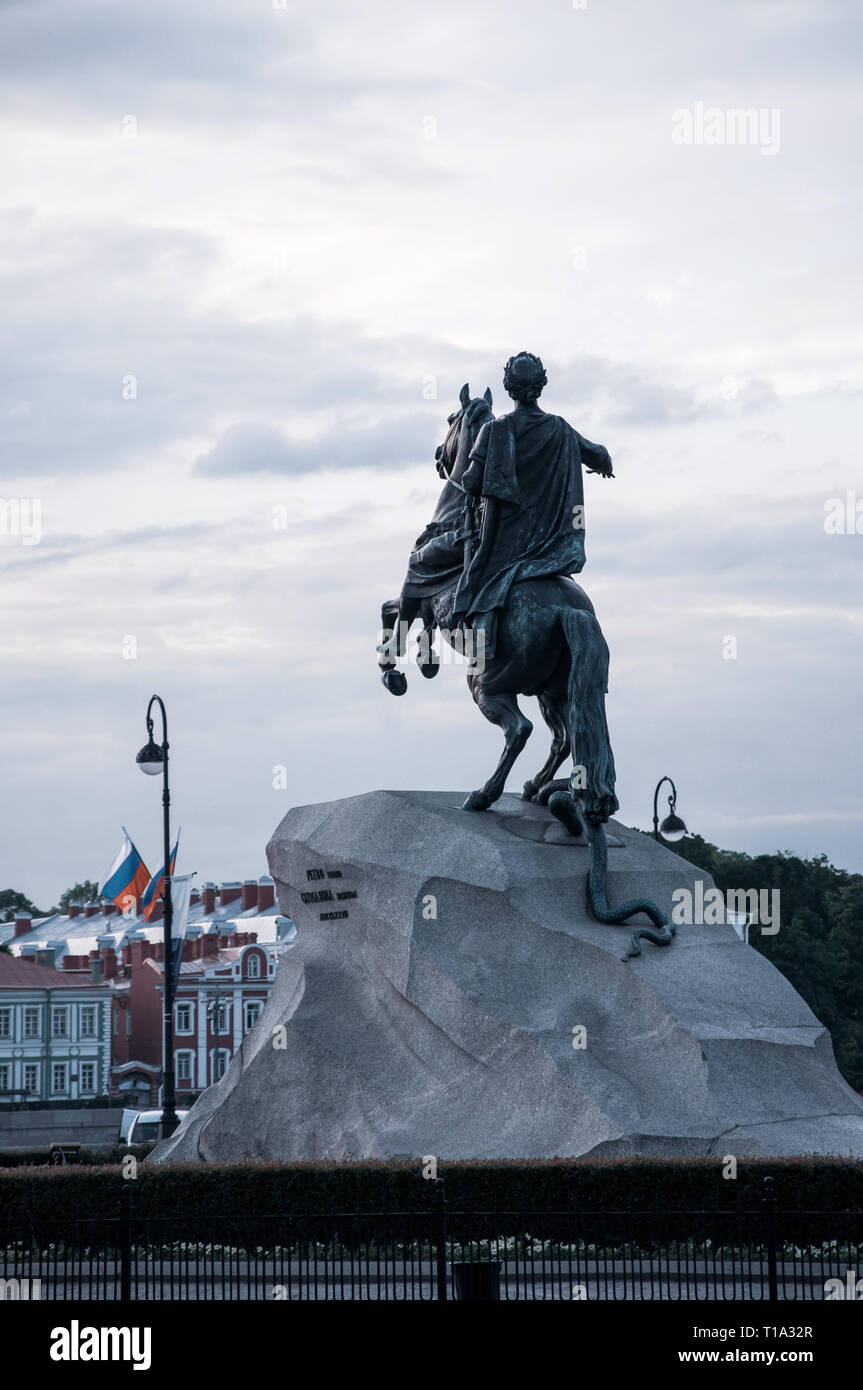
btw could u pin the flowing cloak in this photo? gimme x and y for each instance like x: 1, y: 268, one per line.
x: 437, y: 559
x: 530, y: 463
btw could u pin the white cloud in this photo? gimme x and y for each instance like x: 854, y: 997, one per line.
x: 326, y: 221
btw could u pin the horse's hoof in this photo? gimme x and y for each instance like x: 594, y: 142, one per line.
x: 477, y: 801
x: 395, y: 682
x: 429, y: 669
x: 528, y: 791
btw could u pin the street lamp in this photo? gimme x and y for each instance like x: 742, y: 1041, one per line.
x: 214, y: 1011
x: 153, y: 759
x: 672, y: 828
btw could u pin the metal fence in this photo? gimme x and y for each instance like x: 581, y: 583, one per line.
x: 761, y: 1254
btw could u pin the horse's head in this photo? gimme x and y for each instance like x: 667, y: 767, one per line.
x: 464, y: 426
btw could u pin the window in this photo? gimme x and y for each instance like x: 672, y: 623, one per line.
x: 88, y: 1077
x: 184, y: 1018
x: 184, y: 1066
x: 87, y: 1020
x: 5, y: 1023
x: 5, y: 1076
x: 116, y: 1021
x: 31, y: 1022
x: 59, y: 1082
x: 128, y: 1023
x: 144, y: 1131
x: 253, y: 1009
x: 220, y: 1063
x: 253, y: 965
x: 60, y: 1021
x: 31, y: 1078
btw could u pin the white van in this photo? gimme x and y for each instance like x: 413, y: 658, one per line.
x: 144, y: 1126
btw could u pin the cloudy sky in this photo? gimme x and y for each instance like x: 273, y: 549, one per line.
x: 249, y: 253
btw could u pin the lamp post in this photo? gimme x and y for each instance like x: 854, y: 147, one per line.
x: 153, y: 759
x: 214, y: 1009
x: 672, y: 828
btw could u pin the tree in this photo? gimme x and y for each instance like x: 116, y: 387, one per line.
x: 85, y: 892
x: 10, y: 900
x: 819, y: 945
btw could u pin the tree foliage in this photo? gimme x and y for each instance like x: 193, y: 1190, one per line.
x: 819, y: 946
x: 85, y: 892
x: 12, y: 901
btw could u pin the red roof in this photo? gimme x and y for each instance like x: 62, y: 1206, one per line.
x: 16, y: 973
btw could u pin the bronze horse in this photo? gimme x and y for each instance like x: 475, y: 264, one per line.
x: 548, y: 644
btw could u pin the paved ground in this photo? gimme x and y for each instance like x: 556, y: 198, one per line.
x: 267, y: 1281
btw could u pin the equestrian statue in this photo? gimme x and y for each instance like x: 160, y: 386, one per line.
x: 492, y: 572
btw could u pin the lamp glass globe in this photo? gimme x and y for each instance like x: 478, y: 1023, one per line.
x: 151, y: 759
x: 672, y: 829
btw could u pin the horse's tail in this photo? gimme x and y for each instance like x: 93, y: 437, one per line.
x: 591, y: 799
x: 592, y: 758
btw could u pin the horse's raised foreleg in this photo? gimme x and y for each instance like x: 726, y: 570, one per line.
x: 554, y: 714
x: 499, y: 709
x: 428, y: 659
x: 395, y: 681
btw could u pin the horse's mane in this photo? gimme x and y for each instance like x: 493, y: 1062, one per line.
x: 467, y: 414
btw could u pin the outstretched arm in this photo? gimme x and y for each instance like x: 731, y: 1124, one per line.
x: 595, y: 457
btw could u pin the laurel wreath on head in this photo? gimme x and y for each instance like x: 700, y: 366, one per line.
x: 520, y: 388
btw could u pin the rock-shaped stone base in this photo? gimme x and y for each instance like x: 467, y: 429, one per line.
x: 445, y: 963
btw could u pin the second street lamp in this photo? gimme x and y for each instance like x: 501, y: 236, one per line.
x: 153, y: 759
x: 672, y: 828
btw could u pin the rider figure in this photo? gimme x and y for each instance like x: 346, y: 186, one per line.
x: 523, y: 513
x: 525, y: 474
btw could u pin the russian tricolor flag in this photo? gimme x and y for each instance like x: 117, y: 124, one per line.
x: 155, y: 887
x: 126, y: 879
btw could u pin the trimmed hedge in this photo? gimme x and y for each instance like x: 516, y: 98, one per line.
x: 16, y: 1107
x: 242, y: 1190
x: 89, y: 1158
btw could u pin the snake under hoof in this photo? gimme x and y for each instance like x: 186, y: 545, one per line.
x: 568, y: 810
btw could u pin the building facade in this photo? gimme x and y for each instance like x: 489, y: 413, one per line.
x: 233, y: 939
x: 221, y: 992
x: 54, y: 1034
x: 219, y: 1000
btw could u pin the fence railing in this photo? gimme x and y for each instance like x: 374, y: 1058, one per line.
x: 766, y: 1253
